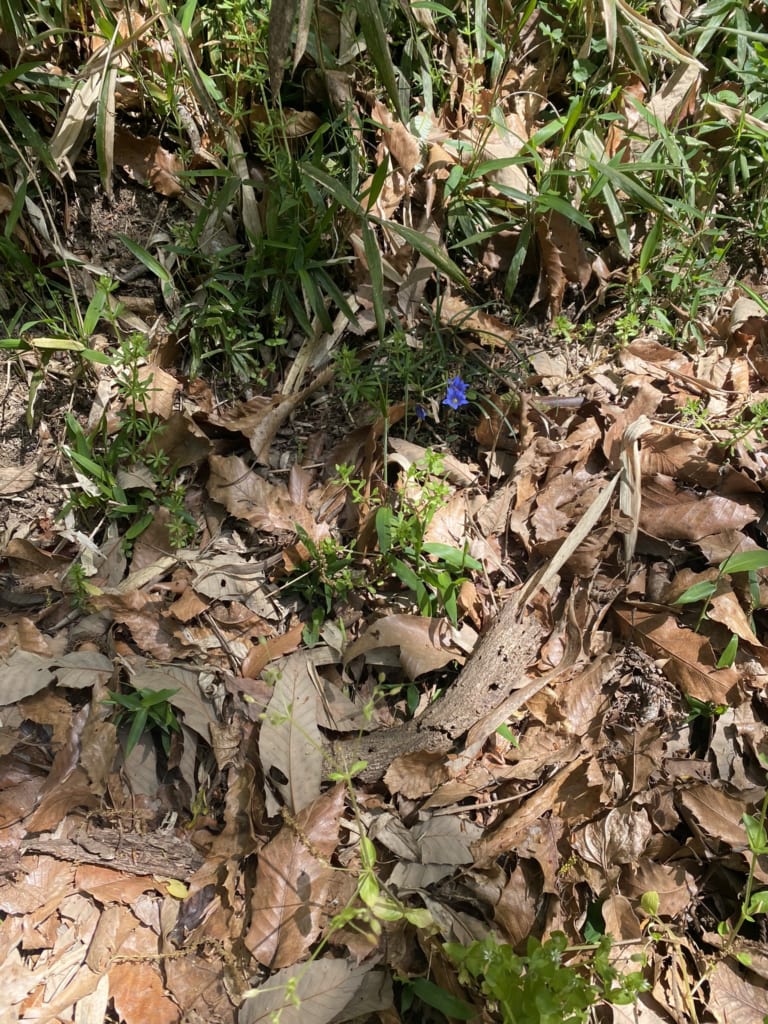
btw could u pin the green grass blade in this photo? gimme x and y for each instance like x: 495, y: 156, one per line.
x: 375, y: 34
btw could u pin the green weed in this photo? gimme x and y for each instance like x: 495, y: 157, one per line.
x: 123, y: 475
x: 747, y: 562
x: 147, y: 711
x: 539, y: 986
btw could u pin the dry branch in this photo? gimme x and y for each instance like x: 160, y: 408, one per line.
x: 492, y: 678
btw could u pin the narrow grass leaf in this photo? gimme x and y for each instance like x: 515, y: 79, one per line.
x: 745, y: 561
x: 449, y: 1005
x: 516, y: 263
x: 698, y: 592
x: 375, y: 34
x: 431, y: 250
x: 341, y: 194
x: 728, y: 656
x: 551, y: 201
x: 153, y: 266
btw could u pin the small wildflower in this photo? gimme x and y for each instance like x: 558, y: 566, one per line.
x: 421, y: 412
x: 456, y: 393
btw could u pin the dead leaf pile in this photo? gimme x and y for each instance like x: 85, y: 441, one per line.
x: 214, y: 868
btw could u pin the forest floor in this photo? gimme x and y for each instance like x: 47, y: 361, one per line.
x: 328, y: 655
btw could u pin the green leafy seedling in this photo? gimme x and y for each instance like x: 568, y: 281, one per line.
x: 752, y: 902
x: 146, y: 709
x: 541, y: 985
x: 743, y: 561
x: 703, y: 709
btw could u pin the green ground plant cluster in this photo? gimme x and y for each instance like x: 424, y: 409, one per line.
x: 267, y: 256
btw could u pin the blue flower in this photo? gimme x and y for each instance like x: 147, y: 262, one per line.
x: 456, y: 393
x: 421, y: 412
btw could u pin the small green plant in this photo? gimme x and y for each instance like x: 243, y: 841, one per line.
x: 540, y: 986
x: 748, y: 562
x: 433, y: 572
x: 125, y: 474
x: 326, y: 575
x: 703, y: 709
x: 753, y: 902
x: 146, y: 710
x: 750, y: 422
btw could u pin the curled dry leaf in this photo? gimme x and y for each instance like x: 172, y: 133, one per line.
x: 146, y: 161
x: 425, y: 644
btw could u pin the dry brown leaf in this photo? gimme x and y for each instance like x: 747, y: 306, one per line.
x: 671, y: 513
x: 675, y: 886
x: 404, y: 147
x: 16, y: 479
x: 319, y: 994
x: 425, y: 644
x: 716, y: 817
x: 161, y: 388
x: 147, y: 162
x: 621, y: 922
x: 618, y: 838
x: 514, y: 911
x: 293, y: 877
x: 138, y: 993
x: 270, y: 648
x: 456, y: 313
x: 725, y: 607
x: 736, y: 998
x: 261, y: 418
x: 264, y: 505
x: 290, y: 745
x: 6, y: 198
x: 562, y: 260
x: 199, y: 984
x: 416, y: 775
x: 689, y: 659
